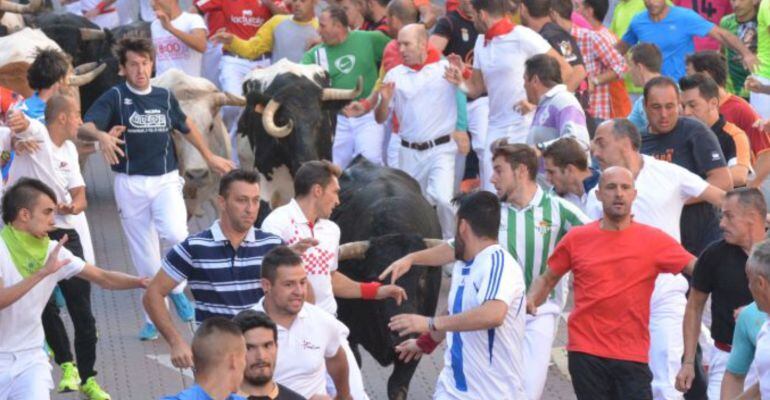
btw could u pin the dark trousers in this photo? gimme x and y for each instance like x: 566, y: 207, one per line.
x: 77, y: 294
x: 598, y: 378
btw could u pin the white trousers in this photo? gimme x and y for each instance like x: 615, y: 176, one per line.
x: 151, y: 210
x: 666, y: 343
x: 760, y: 101
x: 515, y: 134
x: 232, y: 71
x: 355, y: 379
x: 25, y: 375
x: 212, y: 58
x: 716, y: 372
x: 434, y: 170
x: 538, y: 340
x: 360, y: 135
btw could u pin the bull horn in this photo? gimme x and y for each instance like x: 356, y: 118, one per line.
x: 268, y: 121
x: 343, y: 94
x: 82, y: 77
x: 229, y: 99
x: 433, y: 242
x: 353, y: 250
x: 8, y: 6
x: 87, y: 34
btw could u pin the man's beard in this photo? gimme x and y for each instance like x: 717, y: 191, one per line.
x: 257, y: 380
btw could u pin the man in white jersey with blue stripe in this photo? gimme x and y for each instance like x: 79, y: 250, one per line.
x: 532, y: 222
x: 484, y: 327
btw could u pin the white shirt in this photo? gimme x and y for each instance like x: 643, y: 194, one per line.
x: 304, y: 347
x: 21, y: 327
x: 662, y: 189
x: 5, y: 144
x: 488, y: 361
x: 762, y: 360
x: 501, y: 63
x: 424, y: 101
x: 290, y: 224
x: 56, y: 166
x: 172, y: 52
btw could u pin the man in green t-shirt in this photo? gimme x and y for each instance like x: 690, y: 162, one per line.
x: 758, y: 83
x: 347, y: 55
x: 743, y: 24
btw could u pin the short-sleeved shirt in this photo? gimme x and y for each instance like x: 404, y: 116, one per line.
x: 734, y: 143
x: 485, y: 364
x: 223, y: 281
x: 290, y: 224
x: 638, y: 116
x: 359, y: 55
x: 172, y: 52
x: 746, y: 32
x: 673, y: 35
x: 558, y: 115
x: 460, y: 34
x: 20, y: 323
x: 738, y: 111
x: 614, y: 275
x: 303, y: 348
x: 762, y: 360
x: 763, y: 38
x: 712, y: 11
x: 281, y: 35
x: 196, y: 392
x: 721, y: 271
x: 242, y: 18
x: 150, y: 120
x: 501, y: 62
x: 747, y: 327
x: 280, y: 393
x: 562, y: 42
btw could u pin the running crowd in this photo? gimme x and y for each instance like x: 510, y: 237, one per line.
x: 622, y: 143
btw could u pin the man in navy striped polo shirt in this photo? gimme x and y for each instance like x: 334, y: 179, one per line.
x: 222, y: 264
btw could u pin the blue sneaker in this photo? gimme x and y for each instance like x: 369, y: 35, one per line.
x: 184, y: 309
x: 58, y: 297
x: 148, y: 332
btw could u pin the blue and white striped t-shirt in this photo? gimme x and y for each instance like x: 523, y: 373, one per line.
x: 223, y: 281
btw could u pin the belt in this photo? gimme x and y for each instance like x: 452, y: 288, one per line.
x: 723, y: 346
x: 265, y: 56
x: 426, y: 145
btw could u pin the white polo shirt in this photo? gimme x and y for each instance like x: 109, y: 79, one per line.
x: 662, y: 188
x: 501, y: 62
x: 304, y: 347
x: 56, y: 166
x: 21, y: 327
x: 424, y: 102
x: 485, y: 364
x: 290, y: 224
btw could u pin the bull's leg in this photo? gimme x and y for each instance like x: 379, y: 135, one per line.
x: 398, y: 383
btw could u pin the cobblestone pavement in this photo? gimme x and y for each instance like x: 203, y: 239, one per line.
x: 130, y: 369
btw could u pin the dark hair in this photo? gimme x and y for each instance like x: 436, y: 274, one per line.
x: 599, y: 8
x: 50, y: 66
x: 516, y: 154
x: 252, y: 319
x: 647, y: 54
x: 567, y: 151
x: 538, y: 8
x: 382, y: 3
x: 338, y: 14
x: 404, y: 10
x: 710, y: 62
x: 280, y: 256
x: 316, y: 172
x: 492, y: 7
x: 563, y: 8
x: 750, y: 198
x: 545, y: 68
x: 57, y: 105
x: 23, y: 194
x: 706, y: 86
x: 135, y: 44
x: 203, y: 353
x: 623, y: 128
x: 237, y: 175
x: 481, y: 210
x: 659, y: 81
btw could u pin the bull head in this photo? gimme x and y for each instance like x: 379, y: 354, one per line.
x: 86, y: 73
x: 32, y: 7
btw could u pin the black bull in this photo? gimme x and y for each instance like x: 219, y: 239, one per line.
x: 385, y: 207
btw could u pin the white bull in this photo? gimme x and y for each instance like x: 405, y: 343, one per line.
x: 10, y: 14
x: 200, y: 100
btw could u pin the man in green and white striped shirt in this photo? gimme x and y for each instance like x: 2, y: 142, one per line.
x: 532, y: 223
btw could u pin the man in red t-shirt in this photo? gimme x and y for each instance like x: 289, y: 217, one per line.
x: 615, y: 262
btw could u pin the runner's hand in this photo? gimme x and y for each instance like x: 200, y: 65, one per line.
x: 395, y: 292
x: 408, y: 351
x: 53, y: 263
x: 181, y: 355
x: 110, y: 144
x: 397, y: 269
x: 220, y: 165
x: 222, y: 36
x: 406, y: 324
x: 463, y: 142
x: 531, y: 307
x: 354, y: 109
x: 17, y: 121
x: 685, y: 377
x: 303, y: 244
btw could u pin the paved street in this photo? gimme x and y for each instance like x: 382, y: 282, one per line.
x: 130, y: 369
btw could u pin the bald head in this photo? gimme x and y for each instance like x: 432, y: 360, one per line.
x: 413, y: 44
x: 616, y: 175
x: 57, y: 105
x: 617, y: 193
x: 414, y: 31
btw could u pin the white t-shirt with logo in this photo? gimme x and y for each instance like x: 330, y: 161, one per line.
x: 56, y: 166
x: 304, y: 347
x: 290, y: 224
x: 172, y: 52
x: 21, y: 327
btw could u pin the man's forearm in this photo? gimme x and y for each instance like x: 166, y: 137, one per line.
x: 381, y: 111
x: 732, y: 41
x: 691, y: 329
x: 489, y: 315
x: 761, y: 169
x: 155, y: 305
x: 115, y: 280
x: 193, y: 40
x: 435, y: 256
x: 12, y: 294
x: 89, y: 132
x: 338, y: 369
x: 196, y: 139
x: 751, y: 393
x: 544, y: 284
x: 732, y: 385
x: 344, y: 287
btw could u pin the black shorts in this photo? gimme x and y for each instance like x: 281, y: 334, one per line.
x: 599, y: 378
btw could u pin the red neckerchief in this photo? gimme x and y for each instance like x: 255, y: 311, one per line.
x: 499, y: 28
x: 433, y: 56
x: 463, y: 16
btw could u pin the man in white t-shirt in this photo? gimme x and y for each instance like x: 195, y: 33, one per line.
x: 663, y: 190
x: 179, y: 38
x: 758, y: 272
x: 309, y: 339
x: 498, y: 69
x: 100, y: 12
x: 30, y: 266
x: 485, y: 325
x: 306, y: 216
